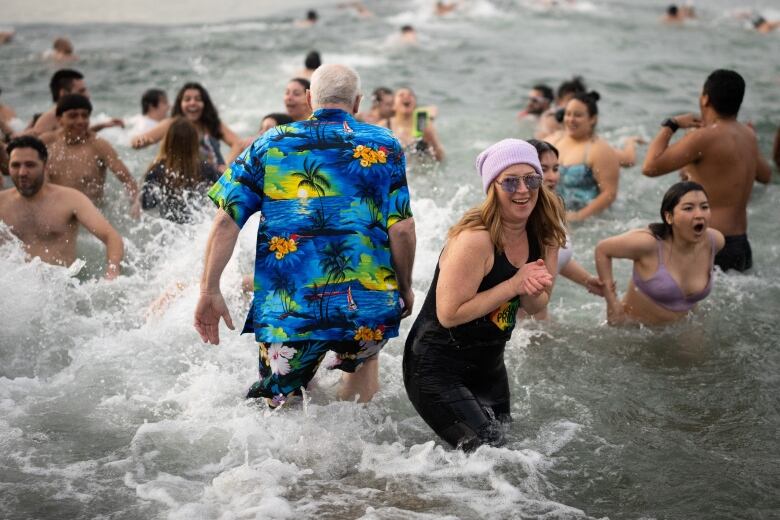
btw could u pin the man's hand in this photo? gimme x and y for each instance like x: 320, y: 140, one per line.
x: 407, y: 303
x: 210, y: 308
x: 688, y: 121
x: 112, y: 271
x: 107, y: 124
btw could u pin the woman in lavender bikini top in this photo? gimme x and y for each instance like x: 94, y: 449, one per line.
x: 673, y: 260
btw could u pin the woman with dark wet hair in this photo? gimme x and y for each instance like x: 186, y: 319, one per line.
x: 194, y: 103
x: 673, y: 260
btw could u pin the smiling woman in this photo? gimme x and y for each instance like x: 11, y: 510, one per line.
x: 589, y: 167
x: 673, y: 260
x: 194, y: 103
x: 295, y: 101
x: 501, y: 256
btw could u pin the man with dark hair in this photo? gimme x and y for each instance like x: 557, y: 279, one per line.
x: 673, y: 15
x: 550, y: 121
x: 312, y: 61
x: 310, y: 64
x: 539, y: 98
x: 154, y: 104
x: 79, y: 158
x: 719, y: 153
x: 63, y: 82
x: 45, y: 217
x: 311, y: 19
x: 408, y: 35
x: 154, y: 108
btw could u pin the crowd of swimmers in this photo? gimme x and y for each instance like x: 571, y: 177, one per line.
x: 500, y: 259
x: 580, y: 166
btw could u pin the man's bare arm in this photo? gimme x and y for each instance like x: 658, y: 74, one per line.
x: 662, y: 158
x: 211, y: 305
x: 91, y: 218
x: 47, y: 122
x: 115, y: 164
x: 403, y: 242
x: 114, y: 121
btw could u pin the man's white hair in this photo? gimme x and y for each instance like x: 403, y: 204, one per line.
x: 334, y: 84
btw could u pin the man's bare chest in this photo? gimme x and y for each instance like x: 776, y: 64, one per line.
x: 36, y: 223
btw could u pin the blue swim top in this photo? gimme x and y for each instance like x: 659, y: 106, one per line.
x: 664, y: 291
x: 577, y: 186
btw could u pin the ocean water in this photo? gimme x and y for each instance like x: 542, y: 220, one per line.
x: 112, y: 408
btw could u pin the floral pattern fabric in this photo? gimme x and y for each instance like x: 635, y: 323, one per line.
x: 285, y: 368
x: 329, y: 189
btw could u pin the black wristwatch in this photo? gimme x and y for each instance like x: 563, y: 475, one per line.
x: 671, y: 124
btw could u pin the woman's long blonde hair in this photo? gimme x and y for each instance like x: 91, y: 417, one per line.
x: 546, y: 223
x: 180, y: 156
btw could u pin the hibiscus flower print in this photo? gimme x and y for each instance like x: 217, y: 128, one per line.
x: 368, y: 334
x: 279, y: 356
x: 368, y: 156
x: 282, y: 246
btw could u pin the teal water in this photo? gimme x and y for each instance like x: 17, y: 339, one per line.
x: 110, y: 411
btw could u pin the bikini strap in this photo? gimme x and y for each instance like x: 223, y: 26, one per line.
x: 587, y: 149
x: 712, y: 247
x: 661, y: 262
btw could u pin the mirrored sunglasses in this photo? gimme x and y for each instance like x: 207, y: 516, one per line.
x: 510, y: 184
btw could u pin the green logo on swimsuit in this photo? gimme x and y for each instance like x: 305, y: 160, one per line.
x: 504, y: 317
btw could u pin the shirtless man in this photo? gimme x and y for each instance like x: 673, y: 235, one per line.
x: 64, y: 82
x: 45, y: 217
x: 540, y: 97
x: 443, y: 8
x: 722, y: 155
x: 79, y: 158
x: 62, y: 50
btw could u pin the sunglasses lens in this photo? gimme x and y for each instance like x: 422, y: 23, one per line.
x: 510, y: 184
x: 532, y: 182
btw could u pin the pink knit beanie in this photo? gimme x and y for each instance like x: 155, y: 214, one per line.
x: 500, y: 156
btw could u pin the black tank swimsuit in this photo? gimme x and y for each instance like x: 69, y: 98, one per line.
x: 456, y: 378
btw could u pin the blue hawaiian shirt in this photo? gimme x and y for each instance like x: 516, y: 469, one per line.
x: 329, y: 189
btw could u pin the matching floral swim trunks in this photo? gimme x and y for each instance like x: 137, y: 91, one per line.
x: 287, y: 367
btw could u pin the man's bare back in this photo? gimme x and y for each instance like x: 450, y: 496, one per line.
x: 727, y: 168
x: 46, y: 122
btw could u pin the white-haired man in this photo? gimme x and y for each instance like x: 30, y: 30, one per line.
x: 335, y: 247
